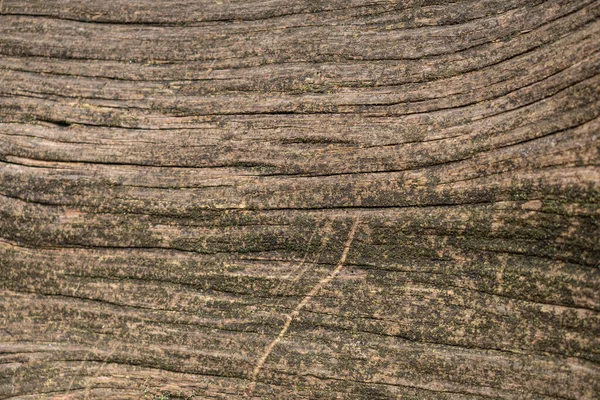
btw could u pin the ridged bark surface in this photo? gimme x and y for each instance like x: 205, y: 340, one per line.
x: 294, y: 199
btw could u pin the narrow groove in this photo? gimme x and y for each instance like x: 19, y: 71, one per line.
x: 323, y: 282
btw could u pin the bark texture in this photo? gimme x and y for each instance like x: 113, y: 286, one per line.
x: 299, y: 199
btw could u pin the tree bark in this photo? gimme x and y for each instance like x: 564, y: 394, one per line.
x: 299, y: 199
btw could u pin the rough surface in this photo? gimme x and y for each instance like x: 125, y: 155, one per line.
x: 299, y: 199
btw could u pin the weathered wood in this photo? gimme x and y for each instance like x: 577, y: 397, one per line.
x: 299, y: 199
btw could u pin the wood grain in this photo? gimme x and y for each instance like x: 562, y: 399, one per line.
x: 300, y: 199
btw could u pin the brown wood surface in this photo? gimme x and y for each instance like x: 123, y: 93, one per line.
x: 299, y: 199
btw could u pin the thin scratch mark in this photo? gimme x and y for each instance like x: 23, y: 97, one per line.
x: 104, y: 363
x: 299, y: 267
x: 324, y: 242
x: 87, y: 357
x: 290, y: 317
x: 5, y: 75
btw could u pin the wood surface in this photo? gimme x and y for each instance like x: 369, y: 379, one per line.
x: 294, y: 199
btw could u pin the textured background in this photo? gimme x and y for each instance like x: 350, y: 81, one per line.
x: 299, y: 199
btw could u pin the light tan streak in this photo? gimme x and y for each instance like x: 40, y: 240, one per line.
x: 290, y: 317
